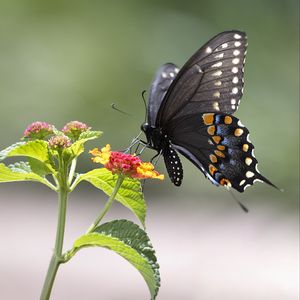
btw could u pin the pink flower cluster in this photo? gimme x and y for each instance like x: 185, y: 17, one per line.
x: 123, y: 163
x: 59, y: 142
x: 73, y: 129
x: 38, y: 130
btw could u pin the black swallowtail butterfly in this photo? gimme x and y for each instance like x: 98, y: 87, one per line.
x: 190, y: 112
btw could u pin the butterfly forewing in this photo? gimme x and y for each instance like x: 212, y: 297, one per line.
x: 159, y: 87
x: 211, y: 80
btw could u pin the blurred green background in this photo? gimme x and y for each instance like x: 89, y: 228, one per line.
x: 69, y: 60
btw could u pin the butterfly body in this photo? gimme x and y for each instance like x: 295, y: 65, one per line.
x: 190, y: 112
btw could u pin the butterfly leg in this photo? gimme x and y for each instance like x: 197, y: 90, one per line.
x: 156, y: 157
x: 134, y: 141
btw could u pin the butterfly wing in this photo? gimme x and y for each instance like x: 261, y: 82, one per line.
x: 218, y: 144
x: 212, y: 80
x: 158, y: 89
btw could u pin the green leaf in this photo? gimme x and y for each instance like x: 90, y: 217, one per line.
x: 78, y: 147
x: 130, y: 193
x: 37, y: 149
x: 131, y: 242
x: 19, y: 172
x: 39, y: 167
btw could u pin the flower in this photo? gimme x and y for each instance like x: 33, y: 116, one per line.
x: 146, y: 170
x: 73, y: 129
x: 59, y: 142
x: 38, y: 130
x: 126, y: 164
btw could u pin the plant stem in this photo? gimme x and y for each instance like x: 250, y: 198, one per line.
x: 72, y: 170
x: 108, y: 204
x: 57, y: 257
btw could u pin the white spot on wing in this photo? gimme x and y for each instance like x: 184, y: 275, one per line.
x: 216, y: 106
x: 237, y: 36
x: 236, y: 52
x: 218, y: 73
x: 225, y: 45
x: 218, y: 83
x: 235, y: 80
x: 164, y: 74
x: 234, y: 70
x: 233, y: 101
x: 208, y: 50
x: 172, y: 74
x: 242, y: 182
x: 235, y: 90
x: 218, y: 64
x: 216, y: 94
x: 237, y: 44
x: 176, y: 70
x: 235, y: 61
x: 240, y: 123
x: 220, y: 55
x: 249, y: 174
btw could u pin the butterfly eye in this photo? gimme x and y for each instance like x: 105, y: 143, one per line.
x: 145, y: 127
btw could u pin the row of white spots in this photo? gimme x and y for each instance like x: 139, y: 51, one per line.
x: 175, y: 173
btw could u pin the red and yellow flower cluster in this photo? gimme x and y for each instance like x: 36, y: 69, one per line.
x: 126, y: 164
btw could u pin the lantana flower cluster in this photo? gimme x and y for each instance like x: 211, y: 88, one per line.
x: 70, y: 132
x: 125, y: 164
x: 39, y: 130
x: 73, y: 129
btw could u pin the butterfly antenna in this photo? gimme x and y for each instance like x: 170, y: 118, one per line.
x: 145, y: 104
x: 114, y: 106
x: 242, y: 206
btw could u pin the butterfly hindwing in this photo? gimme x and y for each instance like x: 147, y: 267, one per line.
x: 219, y: 145
x: 211, y: 80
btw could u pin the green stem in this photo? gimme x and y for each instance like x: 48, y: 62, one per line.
x: 72, y: 170
x: 57, y: 257
x: 108, y: 204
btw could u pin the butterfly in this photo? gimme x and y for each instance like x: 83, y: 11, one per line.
x: 190, y: 112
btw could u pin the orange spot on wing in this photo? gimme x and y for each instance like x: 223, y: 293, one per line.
x: 238, y: 132
x: 225, y: 181
x: 212, y: 169
x: 219, y: 153
x: 221, y: 147
x: 227, y: 120
x: 213, y: 158
x: 216, y: 139
x: 211, y: 130
x: 208, y: 119
x: 245, y: 147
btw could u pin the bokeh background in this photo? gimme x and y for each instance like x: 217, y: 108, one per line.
x: 69, y: 60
